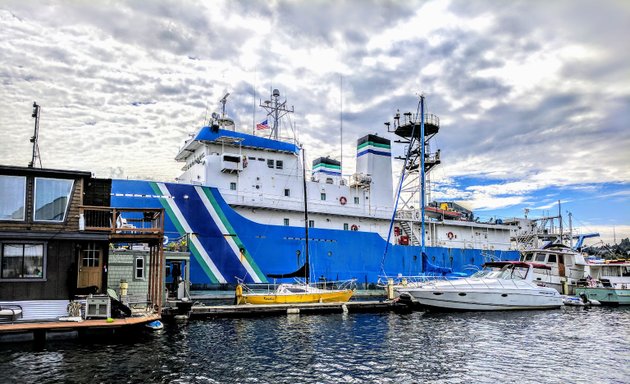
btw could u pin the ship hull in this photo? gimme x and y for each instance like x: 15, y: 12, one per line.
x: 226, y: 247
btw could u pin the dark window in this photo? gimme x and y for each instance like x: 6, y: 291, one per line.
x: 323, y: 196
x: 329, y: 180
x: 251, y: 158
x: 345, y: 226
x: 270, y: 163
x: 233, y: 159
x: 356, y: 200
x: 286, y: 221
x: 552, y: 258
x: 279, y: 164
x: 540, y: 257
x: 287, y: 192
x: 12, y: 197
x: 139, y: 268
x: 311, y: 223
x: 22, y: 261
x: 233, y: 186
x: 529, y: 256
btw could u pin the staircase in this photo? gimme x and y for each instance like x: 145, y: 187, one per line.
x: 407, y: 230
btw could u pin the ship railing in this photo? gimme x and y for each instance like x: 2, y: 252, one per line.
x: 399, y: 280
x: 321, y: 284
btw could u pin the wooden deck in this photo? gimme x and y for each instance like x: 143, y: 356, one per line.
x: 248, y: 310
x: 17, y: 327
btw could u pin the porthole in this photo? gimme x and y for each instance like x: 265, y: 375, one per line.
x: 462, y: 294
x: 504, y: 295
x: 437, y: 293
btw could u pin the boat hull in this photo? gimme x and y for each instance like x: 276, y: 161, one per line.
x: 485, y: 301
x: 319, y: 297
x: 227, y: 247
x: 606, y: 296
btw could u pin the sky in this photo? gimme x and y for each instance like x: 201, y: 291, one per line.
x: 533, y: 97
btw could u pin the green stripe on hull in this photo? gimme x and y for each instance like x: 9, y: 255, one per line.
x: 180, y: 229
x: 234, y: 236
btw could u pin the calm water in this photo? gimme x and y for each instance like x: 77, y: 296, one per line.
x: 571, y: 345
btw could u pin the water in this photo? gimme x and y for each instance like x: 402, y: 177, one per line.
x: 570, y: 345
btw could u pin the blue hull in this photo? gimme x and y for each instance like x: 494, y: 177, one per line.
x: 226, y: 246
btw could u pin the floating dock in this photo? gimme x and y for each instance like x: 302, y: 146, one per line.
x: 47, y: 330
x: 248, y: 310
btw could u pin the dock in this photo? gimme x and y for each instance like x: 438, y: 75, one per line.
x: 47, y: 330
x: 247, y: 310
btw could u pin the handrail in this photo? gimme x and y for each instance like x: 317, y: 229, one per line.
x: 132, y: 221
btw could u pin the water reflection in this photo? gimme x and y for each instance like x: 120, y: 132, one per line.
x: 524, y: 347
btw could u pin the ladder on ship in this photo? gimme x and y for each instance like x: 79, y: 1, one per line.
x: 407, y: 228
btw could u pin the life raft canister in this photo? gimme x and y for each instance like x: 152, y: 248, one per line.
x: 343, y: 200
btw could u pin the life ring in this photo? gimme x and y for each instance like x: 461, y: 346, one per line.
x: 450, y: 235
x: 343, y: 200
x: 354, y: 227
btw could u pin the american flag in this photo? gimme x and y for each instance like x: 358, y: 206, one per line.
x: 262, y: 125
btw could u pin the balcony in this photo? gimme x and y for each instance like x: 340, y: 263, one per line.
x: 123, y: 223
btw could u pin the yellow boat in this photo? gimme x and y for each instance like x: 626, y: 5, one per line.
x: 294, y: 294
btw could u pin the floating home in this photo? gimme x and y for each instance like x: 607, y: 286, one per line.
x: 56, y: 232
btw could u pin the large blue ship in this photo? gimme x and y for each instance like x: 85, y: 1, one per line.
x: 239, y: 207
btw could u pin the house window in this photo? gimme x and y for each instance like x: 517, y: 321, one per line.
x: 356, y: 200
x: 345, y: 226
x: 138, y: 264
x: 12, y: 197
x: 270, y: 163
x: 232, y: 186
x: 323, y: 196
x: 552, y: 258
x: 286, y: 221
x: 311, y: 223
x: 52, y: 197
x: 22, y: 261
x: 91, y: 256
x: 279, y: 164
x: 287, y: 192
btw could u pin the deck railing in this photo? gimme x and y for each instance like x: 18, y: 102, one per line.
x: 132, y: 221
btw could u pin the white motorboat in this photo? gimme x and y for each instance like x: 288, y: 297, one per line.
x: 501, y: 285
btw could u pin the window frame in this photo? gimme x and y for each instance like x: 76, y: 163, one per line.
x: 286, y: 221
x: 23, y: 197
x: 136, y: 268
x: 232, y: 186
x: 322, y: 196
x: 357, y: 200
x: 279, y: 164
x: 68, y: 202
x: 43, y: 278
x: 287, y: 192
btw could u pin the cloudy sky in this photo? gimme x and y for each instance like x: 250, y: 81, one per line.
x: 533, y: 97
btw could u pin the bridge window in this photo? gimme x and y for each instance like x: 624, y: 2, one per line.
x: 270, y: 163
x: 356, y: 200
x: 232, y: 186
x: 279, y: 164
x: 286, y: 221
x: 552, y: 258
x: 540, y: 257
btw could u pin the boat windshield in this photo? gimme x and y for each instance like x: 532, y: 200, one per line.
x: 487, y: 273
x: 508, y: 272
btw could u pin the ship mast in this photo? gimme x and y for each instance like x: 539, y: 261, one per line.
x: 275, y: 110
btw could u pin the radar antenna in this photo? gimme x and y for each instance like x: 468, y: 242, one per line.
x: 275, y: 110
